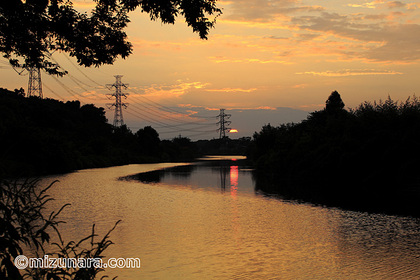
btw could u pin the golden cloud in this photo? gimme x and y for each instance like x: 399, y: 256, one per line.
x: 369, y: 5
x: 175, y: 90
x: 349, y: 72
x: 232, y: 90
x: 246, y: 60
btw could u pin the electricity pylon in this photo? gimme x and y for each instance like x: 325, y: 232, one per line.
x: 118, y: 115
x: 34, y: 84
x: 223, y: 123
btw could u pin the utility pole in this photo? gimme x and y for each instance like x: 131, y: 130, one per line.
x: 223, y: 123
x: 34, y: 84
x: 118, y: 115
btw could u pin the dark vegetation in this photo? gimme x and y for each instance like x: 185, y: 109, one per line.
x: 225, y: 146
x: 40, y: 136
x: 45, y: 136
x: 365, y: 158
x: 26, y: 230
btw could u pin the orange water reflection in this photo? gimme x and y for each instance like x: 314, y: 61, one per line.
x: 236, y: 225
x: 189, y: 233
x: 234, y: 174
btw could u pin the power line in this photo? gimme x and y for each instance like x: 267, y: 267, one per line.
x: 159, y: 124
x: 74, y: 79
x: 56, y: 94
x: 77, y: 68
x: 161, y: 116
x: 158, y: 114
x: 160, y: 107
x: 66, y: 88
x: 165, y: 108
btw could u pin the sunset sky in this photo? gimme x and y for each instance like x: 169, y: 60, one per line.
x: 262, y: 58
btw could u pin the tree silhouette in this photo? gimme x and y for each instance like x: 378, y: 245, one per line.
x: 334, y: 102
x: 364, y: 158
x: 31, y: 30
x: 148, y: 139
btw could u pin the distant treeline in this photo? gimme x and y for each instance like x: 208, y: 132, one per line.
x: 364, y: 158
x: 45, y: 136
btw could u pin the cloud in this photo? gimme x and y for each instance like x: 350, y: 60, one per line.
x: 350, y: 72
x: 222, y: 59
x: 413, y: 6
x: 168, y: 91
x: 379, y: 32
x: 396, y: 4
x: 300, y: 85
x: 306, y: 36
x: 380, y: 3
x: 234, y: 90
x: 94, y: 95
x: 154, y: 48
x: 394, y: 41
x: 264, y: 10
x: 401, y: 44
x: 369, y: 5
x: 310, y: 106
x: 336, y: 24
x: 272, y: 37
x: 198, y: 108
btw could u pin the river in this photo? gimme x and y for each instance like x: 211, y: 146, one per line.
x: 207, y: 222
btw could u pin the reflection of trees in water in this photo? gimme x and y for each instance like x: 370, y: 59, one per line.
x: 183, y: 171
x: 233, y: 176
x: 154, y: 177
x: 400, y: 202
x: 223, y: 170
x: 227, y: 172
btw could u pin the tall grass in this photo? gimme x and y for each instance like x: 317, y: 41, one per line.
x: 24, y: 225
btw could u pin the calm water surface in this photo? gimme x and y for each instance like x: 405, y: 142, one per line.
x: 207, y: 222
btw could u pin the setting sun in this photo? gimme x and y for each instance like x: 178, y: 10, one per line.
x: 233, y: 131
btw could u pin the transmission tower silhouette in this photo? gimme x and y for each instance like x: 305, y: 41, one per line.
x: 118, y: 115
x: 223, y: 123
x: 34, y: 84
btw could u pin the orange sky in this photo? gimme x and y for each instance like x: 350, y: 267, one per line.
x: 261, y: 55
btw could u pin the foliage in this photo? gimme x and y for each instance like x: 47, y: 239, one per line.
x: 24, y: 225
x: 148, y: 139
x: 334, y: 103
x: 45, y: 136
x: 179, y: 148
x: 22, y: 222
x: 225, y: 146
x: 48, y: 136
x: 31, y: 30
x: 362, y: 157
